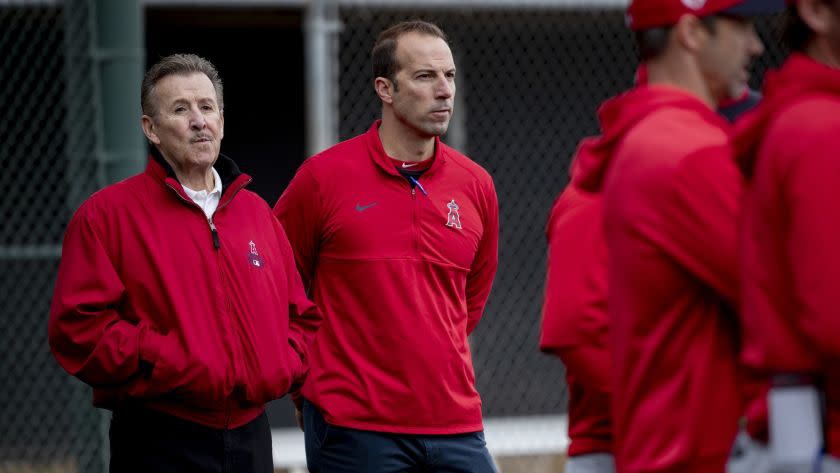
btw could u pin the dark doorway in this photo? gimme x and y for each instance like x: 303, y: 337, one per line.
x: 259, y: 54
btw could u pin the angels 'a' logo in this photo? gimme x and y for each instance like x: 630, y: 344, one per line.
x: 454, y: 218
x: 254, y: 257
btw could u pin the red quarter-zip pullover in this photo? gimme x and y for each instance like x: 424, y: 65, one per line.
x: 401, y: 273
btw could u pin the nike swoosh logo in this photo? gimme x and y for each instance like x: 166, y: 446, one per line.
x: 362, y: 208
x: 407, y: 165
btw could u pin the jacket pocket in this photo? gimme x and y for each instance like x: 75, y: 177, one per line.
x: 189, y: 376
x: 272, y: 380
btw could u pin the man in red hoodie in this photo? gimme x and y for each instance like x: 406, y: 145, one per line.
x: 575, y: 322
x: 177, y: 297
x: 790, y: 264
x: 670, y: 207
x: 396, y: 236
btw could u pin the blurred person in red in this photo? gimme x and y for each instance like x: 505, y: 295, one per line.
x: 396, y: 235
x: 671, y: 194
x: 789, y: 258
x: 575, y: 322
x: 177, y: 297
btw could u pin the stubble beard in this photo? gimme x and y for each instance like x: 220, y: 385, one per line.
x: 437, y: 129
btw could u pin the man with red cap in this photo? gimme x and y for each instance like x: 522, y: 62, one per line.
x: 789, y: 259
x: 670, y: 203
x: 575, y: 323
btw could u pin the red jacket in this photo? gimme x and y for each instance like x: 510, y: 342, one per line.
x: 789, y: 258
x: 152, y: 307
x: 575, y: 325
x: 575, y: 320
x: 670, y: 207
x: 401, y: 278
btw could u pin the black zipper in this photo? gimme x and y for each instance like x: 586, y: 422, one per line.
x: 214, y: 232
x: 216, y: 243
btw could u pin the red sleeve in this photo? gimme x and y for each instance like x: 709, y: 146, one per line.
x: 575, y: 320
x: 483, y: 270
x: 575, y: 303
x: 299, y: 212
x: 813, y: 194
x: 699, y: 217
x: 591, y: 365
x: 88, y: 336
x: 304, y: 316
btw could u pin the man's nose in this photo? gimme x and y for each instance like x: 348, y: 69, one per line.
x: 757, y: 46
x: 197, y: 119
x: 445, y: 88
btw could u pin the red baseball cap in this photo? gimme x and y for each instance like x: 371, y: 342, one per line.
x: 644, y: 14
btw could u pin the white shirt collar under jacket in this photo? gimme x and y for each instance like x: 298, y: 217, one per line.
x: 208, y: 201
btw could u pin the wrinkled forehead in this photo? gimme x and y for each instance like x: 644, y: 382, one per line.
x: 420, y: 51
x: 194, y: 85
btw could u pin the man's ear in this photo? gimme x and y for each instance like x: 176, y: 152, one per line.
x: 690, y: 33
x: 148, y: 125
x: 384, y: 89
x: 222, y: 128
x: 816, y: 14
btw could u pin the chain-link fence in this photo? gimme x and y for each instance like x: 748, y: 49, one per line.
x: 530, y: 80
x: 47, y: 155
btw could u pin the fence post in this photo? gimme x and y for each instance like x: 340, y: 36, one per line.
x: 119, y: 57
x: 321, y: 27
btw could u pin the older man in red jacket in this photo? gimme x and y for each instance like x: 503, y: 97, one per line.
x: 177, y: 297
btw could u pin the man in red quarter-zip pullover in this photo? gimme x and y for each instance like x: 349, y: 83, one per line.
x: 670, y: 202
x: 396, y: 235
x: 177, y: 297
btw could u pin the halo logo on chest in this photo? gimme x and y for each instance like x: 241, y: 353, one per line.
x: 254, y: 257
x: 453, y: 219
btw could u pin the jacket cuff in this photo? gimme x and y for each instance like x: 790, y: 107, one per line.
x: 151, y: 344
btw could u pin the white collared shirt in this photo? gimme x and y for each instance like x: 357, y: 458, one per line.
x: 208, y: 201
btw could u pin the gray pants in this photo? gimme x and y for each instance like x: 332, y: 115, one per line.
x: 749, y: 456
x: 830, y: 464
x: 591, y: 463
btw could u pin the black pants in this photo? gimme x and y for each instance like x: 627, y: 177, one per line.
x: 147, y: 441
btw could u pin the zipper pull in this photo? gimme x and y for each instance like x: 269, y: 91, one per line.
x: 417, y: 183
x: 216, y: 243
